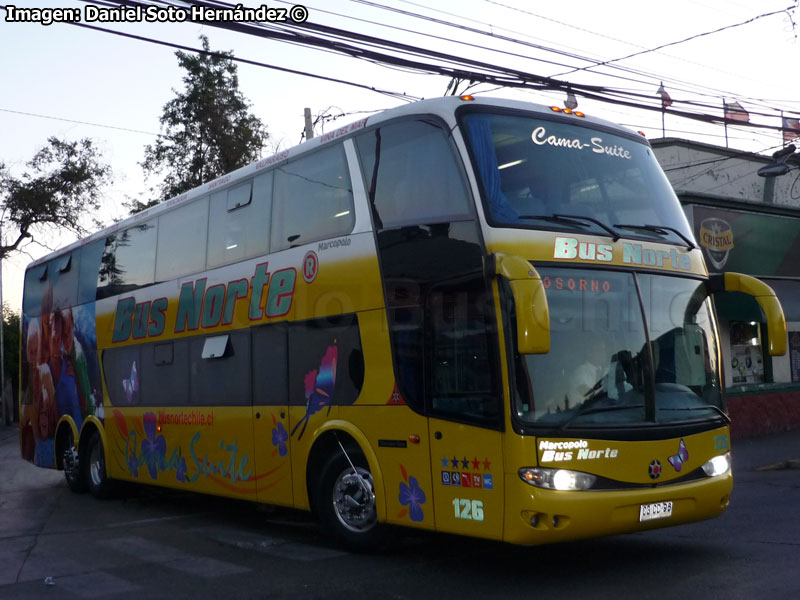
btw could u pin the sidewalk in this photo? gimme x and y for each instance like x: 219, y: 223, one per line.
x: 9, y: 432
x: 770, y: 450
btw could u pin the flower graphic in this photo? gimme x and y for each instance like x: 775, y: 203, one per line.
x: 279, y: 437
x: 411, y: 495
x: 180, y: 474
x: 133, y: 464
x: 154, y: 447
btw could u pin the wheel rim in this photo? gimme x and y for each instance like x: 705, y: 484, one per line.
x: 354, y: 500
x: 71, y: 467
x: 97, y: 465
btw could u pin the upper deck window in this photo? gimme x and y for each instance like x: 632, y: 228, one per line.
x: 182, y: 241
x: 128, y: 260
x: 238, y: 226
x: 412, y: 175
x: 532, y: 169
x: 312, y: 199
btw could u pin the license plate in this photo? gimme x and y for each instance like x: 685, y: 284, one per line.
x: 656, y: 510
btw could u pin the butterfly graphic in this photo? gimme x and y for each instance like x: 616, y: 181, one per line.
x: 319, y: 384
x: 131, y: 384
x: 681, y: 457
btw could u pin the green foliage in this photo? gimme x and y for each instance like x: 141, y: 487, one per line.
x: 207, y: 129
x: 62, y: 183
x: 11, y: 347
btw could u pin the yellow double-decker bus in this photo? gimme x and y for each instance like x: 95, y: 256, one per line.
x: 474, y: 316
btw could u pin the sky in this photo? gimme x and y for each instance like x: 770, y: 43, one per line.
x: 72, y: 82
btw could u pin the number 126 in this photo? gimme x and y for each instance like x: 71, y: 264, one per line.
x: 471, y: 510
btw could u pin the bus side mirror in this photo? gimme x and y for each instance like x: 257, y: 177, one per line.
x: 533, y: 316
x: 767, y: 300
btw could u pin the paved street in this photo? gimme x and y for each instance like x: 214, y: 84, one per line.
x: 151, y: 544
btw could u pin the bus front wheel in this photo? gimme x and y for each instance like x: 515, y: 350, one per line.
x: 346, y: 501
x: 95, y: 467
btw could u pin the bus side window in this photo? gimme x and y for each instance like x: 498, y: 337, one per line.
x: 461, y: 356
x: 165, y: 373
x: 87, y: 274
x: 220, y: 380
x: 182, y: 241
x: 238, y: 226
x: 326, y: 362
x: 313, y: 199
x: 128, y: 260
x: 36, y: 283
x: 417, y: 179
x: 122, y: 368
x: 64, y: 271
x: 270, y: 371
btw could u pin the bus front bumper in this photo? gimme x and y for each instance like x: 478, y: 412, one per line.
x: 541, y: 516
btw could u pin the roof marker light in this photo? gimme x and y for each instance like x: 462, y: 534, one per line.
x: 578, y: 113
x: 556, y: 109
x: 467, y: 97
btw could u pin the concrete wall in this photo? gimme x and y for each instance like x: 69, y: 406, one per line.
x: 764, y: 413
x: 696, y: 168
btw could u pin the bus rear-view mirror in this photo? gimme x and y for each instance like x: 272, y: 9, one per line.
x: 532, y: 313
x: 767, y: 300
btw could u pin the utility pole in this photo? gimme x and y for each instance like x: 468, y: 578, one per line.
x: 309, y: 128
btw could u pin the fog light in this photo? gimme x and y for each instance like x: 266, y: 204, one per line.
x: 719, y: 465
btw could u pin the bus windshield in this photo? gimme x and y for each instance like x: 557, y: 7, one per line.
x: 626, y: 348
x: 536, y: 173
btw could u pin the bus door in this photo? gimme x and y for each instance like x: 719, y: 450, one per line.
x: 271, y: 414
x: 466, y: 412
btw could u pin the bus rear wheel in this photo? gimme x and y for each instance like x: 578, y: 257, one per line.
x: 95, y: 467
x: 345, y: 501
x: 72, y: 465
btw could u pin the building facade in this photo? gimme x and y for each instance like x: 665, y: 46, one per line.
x: 747, y: 224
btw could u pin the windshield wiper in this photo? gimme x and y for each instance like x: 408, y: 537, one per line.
x: 660, y: 229
x: 717, y: 409
x: 598, y: 409
x: 575, y: 220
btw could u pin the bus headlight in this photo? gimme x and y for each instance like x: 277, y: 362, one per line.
x: 719, y: 465
x: 557, y: 479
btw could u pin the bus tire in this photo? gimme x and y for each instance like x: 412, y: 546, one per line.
x: 71, y: 462
x: 94, y: 463
x: 345, y: 502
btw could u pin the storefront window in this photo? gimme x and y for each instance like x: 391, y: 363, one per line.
x: 747, y: 362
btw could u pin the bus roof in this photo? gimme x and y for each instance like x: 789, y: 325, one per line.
x: 443, y: 108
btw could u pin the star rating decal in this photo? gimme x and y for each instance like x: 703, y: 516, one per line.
x: 464, y: 463
x: 467, y: 473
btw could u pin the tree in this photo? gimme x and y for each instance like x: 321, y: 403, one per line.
x: 207, y: 129
x: 11, y: 352
x: 62, y: 184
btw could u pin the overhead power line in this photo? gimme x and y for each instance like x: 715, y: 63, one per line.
x: 422, y: 60
x: 691, y: 37
x: 29, y: 114
x: 652, y: 76
x: 400, y: 95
